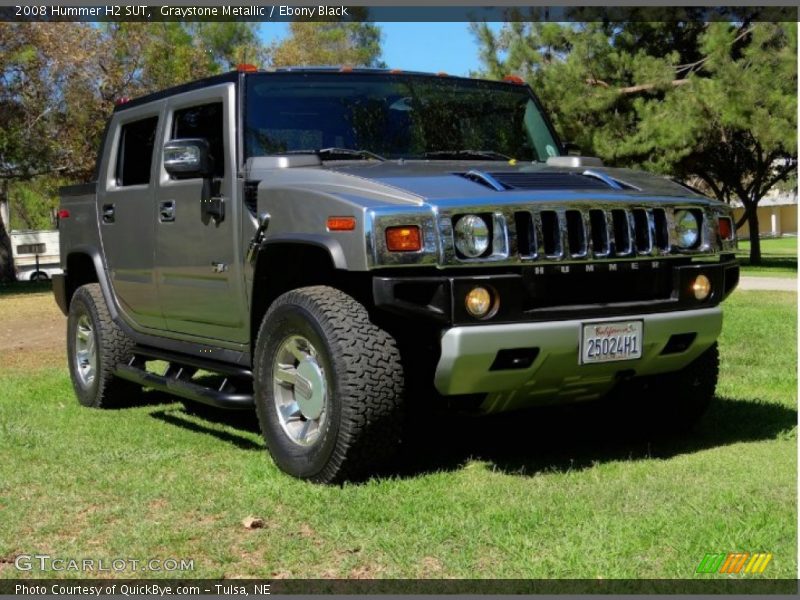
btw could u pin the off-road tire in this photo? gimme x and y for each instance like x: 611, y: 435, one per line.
x: 113, y: 347
x: 364, y: 377
x: 676, y: 401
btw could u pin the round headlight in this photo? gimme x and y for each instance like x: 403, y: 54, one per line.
x: 687, y: 228
x: 471, y: 236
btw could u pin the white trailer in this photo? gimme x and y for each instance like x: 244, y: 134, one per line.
x: 36, y: 254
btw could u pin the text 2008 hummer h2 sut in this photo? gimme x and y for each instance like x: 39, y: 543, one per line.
x: 328, y: 245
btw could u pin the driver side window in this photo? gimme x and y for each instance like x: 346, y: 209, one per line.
x: 204, y: 121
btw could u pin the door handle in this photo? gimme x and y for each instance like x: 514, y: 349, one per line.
x: 108, y: 213
x: 166, y: 211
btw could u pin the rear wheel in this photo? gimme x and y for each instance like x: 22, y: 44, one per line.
x: 39, y: 276
x: 95, y: 346
x: 328, y: 386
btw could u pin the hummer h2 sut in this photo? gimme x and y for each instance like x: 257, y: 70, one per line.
x: 330, y: 245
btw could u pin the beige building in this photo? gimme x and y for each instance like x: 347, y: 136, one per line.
x: 777, y: 215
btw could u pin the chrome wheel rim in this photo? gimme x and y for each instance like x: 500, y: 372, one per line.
x: 300, y: 390
x: 85, y: 351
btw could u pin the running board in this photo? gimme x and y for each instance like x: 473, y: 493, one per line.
x: 197, y: 362
x: 176, y: 381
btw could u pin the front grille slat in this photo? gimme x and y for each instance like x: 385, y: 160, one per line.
x: 552, y: 246
x: 641, y: 231
x: 576, y: 233
x: 598, y: 228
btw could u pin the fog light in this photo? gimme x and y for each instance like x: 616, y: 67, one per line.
x: 701, y: 287
x: 479, y: 302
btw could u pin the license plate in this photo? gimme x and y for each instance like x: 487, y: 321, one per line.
x: 612, y: 341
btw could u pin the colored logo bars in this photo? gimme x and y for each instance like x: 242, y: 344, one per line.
x: 734, y: 562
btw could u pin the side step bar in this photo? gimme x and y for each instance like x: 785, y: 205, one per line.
x: 177, y: 379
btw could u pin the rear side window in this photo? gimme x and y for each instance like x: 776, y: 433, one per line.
x: 135, y: 153
x: 204, y: 121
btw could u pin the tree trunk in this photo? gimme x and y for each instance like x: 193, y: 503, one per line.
x: 7, y: 271
x: 755, y: 237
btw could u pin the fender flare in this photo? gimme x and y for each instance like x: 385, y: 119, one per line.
x: 332, y: 246
x: 102, y: 275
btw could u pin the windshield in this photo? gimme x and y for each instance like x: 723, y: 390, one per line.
x: 394, y: 116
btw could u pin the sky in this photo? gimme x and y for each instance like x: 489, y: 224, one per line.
x: 434, y: 47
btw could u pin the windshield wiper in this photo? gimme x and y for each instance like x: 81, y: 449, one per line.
x: 339, y: 152
x: 490, y: 154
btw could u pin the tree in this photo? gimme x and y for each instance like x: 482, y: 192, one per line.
x: 59, y: 83
x: 710, y: 101
x: 355, y: 44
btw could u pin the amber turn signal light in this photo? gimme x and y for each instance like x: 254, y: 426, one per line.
x: 725, y: 228
x: 403, y: 239
x: 341, y: 223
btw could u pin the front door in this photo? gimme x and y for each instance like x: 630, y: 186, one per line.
x: 198, y: 265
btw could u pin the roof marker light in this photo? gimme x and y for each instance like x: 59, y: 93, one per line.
x: 246, y: 68
x: 514, y: 79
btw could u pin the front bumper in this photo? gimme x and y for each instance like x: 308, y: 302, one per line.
x: 468, y: 358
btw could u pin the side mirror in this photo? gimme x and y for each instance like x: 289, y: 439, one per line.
x: 187, y: 158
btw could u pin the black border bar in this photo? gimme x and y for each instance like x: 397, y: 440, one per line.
x: 259, y: 12
x: 167, y: 587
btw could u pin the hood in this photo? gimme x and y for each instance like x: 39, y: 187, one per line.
x: 451, y: 180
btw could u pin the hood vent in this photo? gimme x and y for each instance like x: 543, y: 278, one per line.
x: 544, y: 180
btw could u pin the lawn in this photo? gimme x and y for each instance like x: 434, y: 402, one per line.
x: 778, y: 258
x: 556, y: 493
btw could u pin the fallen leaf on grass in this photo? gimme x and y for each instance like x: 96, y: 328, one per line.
x: 253, y: 523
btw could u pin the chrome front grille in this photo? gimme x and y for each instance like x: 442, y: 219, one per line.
x: 577, y: 233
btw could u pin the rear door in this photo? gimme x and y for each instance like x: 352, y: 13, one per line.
x: 127, y: 213
x: 198, y: 264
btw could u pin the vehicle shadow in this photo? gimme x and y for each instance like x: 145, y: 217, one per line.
x: 568, y: 438
x: 527, y: 442
x: 210, y: 421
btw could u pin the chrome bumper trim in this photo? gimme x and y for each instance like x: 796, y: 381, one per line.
x: 467, y: 354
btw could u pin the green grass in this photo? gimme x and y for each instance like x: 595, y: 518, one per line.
x: 778, y: 258
x: 556, y: 493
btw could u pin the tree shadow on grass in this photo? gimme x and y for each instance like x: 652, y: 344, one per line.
x: 772, y: 263
x: 545, y: 439
x: 567, y: 438
x: 18, y: 288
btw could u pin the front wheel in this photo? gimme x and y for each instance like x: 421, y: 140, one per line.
x: 675, y: 401
x: 328, y: 386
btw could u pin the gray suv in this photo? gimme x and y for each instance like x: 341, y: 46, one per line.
x: 334, y: 246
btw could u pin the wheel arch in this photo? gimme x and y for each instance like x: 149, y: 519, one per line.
x: 84, y: 264
x: 282, y: 265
